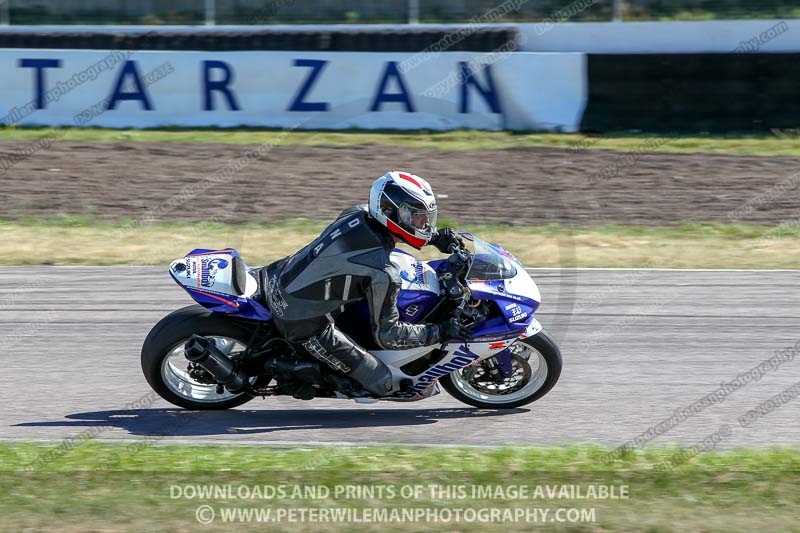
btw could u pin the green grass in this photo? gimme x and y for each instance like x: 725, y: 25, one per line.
x: 786, y: 142
x: 662, y: 11
x: 84, y: 241
x: 139, y: 486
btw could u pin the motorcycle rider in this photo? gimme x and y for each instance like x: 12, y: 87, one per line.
x: 350, y: 262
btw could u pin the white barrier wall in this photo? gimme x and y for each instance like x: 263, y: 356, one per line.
x: 312, y: 90
x: 711, y: 36
x: 706, y: 36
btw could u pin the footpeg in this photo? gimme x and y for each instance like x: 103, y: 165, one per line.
x: 304, y: 392
x: 347, y: 387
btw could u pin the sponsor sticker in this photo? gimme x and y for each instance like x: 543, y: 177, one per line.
x: 209, y: 268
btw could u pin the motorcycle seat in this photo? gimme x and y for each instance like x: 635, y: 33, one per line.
x: 260, y: 275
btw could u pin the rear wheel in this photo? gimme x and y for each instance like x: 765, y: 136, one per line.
x: 167, y: 370
x: 536, y: 367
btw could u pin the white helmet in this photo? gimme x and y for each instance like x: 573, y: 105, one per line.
x: 405, y: 204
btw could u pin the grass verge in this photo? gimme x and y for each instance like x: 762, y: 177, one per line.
x: 780, y: 142
x: 141, y: 486
x: 82, y: 242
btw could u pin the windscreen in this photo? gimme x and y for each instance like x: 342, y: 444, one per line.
x: 489, y: 262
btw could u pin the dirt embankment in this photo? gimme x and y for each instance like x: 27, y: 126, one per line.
x: 525, y: 186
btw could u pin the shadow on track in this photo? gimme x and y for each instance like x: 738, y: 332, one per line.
x: 181, y: 423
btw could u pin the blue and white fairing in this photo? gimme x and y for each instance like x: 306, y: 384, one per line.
x: 495, y: 275
x: 207, y: 275
x: 419, y: 289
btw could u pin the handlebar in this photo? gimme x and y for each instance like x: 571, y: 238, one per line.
x: 458, y: 264
x: 460, y: 259
x: 453, y: 283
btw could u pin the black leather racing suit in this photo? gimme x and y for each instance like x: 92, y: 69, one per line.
x: 347, y: 263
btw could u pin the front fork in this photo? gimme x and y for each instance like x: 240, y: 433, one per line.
x: 499, y: 367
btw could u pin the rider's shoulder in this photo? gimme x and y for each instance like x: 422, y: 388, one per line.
x: 365, y: 229
x: 359, y: 210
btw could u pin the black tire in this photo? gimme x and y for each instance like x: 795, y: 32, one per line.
x: 545, y: 345
x: 177, y: 327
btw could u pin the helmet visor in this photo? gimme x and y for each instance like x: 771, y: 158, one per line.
x: 422, y: 220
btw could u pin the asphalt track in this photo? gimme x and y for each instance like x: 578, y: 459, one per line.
x: 637, y: 345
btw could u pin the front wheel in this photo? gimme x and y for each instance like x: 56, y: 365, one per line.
x: 536, y: 367
x: 168, y: 372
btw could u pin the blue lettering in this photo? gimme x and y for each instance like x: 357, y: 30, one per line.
x: 38, y: 75
x: 382, y: 96
x: 218, y: 85
x: 489, y: 92
x: 117, y: 95
x: 463, y: 358
x: 462, y: 351
x: 298, y: 104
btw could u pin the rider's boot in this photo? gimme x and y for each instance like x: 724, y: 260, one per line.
x: 341, y: 354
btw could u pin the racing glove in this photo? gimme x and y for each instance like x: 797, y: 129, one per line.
x: 453, y: 329
x: 444, y: 237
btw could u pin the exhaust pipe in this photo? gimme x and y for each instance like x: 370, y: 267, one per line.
x: 203, y: 352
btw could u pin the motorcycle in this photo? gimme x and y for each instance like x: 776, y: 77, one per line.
x: 226, y: 351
